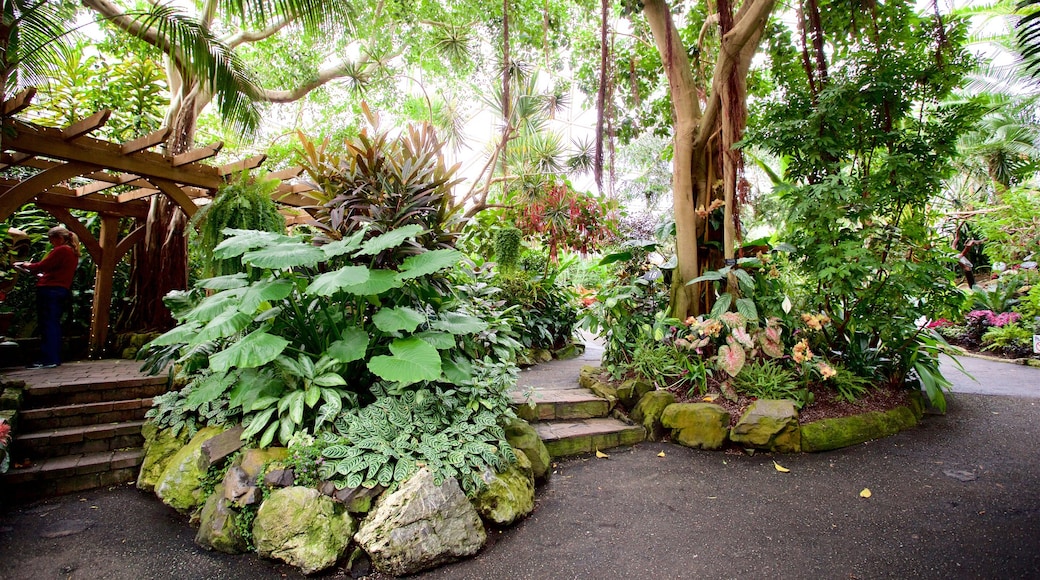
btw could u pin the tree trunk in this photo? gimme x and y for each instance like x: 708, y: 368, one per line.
x: 160, y: 261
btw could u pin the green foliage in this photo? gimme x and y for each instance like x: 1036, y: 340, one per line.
x: 849, y: 385
x: 546, y: 310
x: 1002, y: 297
x: 1012, y: 231
x: 243, y: 204
x: 1011, y: 339
x: 312, y: 329
x: 304, y: 458
x: 454, y: 432
x: 172, y: 410
x: 214, y: 476
x: 768, y: 379
x: 381, y: 184
x: 666, y: 366
x: 507, y: 247
x: 868, y: 148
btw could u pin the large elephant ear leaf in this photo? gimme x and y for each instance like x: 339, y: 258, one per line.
x: 428, y: 263
x: 412, y: 360
x: 289, y: 253
x: 344, y: 246
x: 458, y: 323
x: 228, y: 282
x: 351, y: 346
x: 239, y: 242
x: 255, y: 349
x: 379, y: 281
x: 397, y: 319
x: 264, y: 291
x: 329, y: 283
x: 390, y: 239
x: 227, y: 323
x: 179, y: 335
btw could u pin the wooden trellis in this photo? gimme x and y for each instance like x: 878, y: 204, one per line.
x: 73, y: 170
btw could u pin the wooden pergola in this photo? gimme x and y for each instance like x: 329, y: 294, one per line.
x: 72, y: 170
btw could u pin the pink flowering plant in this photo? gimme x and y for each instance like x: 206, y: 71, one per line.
x: 5, y: 439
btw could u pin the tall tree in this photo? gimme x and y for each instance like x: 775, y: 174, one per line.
x: 697, y: 144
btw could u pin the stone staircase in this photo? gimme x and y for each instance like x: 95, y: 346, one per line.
x: 78, y: 427
x: 570, y: 419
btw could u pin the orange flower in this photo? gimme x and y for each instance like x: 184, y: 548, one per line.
x: 801, y: 353
x: 826, y: 371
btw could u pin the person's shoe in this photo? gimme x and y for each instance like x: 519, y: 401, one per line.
x: 49, y: 366
x: 34, y: 365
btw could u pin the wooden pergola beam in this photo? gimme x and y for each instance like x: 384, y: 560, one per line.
x: 86, y: 126
x: 248, y: 163
x: 147, y: 142
x: 197, y: 154
x: 19, y: 102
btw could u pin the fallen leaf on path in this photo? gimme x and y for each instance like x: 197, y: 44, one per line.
x: 865, y: 493
x: 781, y: 468
x: 661, y: 454
x: 602, y: 455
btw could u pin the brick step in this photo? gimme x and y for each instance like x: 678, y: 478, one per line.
x: 563, y: 438
x: 554, y: 404
x: 78, y: 440
x: 85, y: 414
x: 72, y: 473
x: 77, y: 393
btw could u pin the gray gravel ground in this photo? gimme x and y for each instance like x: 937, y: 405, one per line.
x: 957, y: 497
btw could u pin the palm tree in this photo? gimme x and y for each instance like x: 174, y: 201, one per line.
x: 1028, y: 36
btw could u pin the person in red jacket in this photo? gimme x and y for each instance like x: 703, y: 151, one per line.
x: 54, y: 280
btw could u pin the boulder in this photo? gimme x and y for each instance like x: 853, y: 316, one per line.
x: 507, y: 495
x: 697, y: 425
x: 180, y: 485
x: 588, y: 375
x: 217, y: 529
x: 159, y: 447
x: 420, y: 526
x: 568, y: 351
x: 522, y: 436
x: 253, y: 461
x: 358, y: 500
x: 302, y: 527
x: 631, y: 391
x: 769, y: 424
x: 648, y: 411
x: 239, y: 488
x: 827, y: 434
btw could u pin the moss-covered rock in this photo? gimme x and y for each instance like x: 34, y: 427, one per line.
x: 420, y: 526
x: 159, y: 447
x: 769, y: 424
x: 180, y: 485
x: 588, y: 375
x: 302, y: 527
x: 252, y: 461
x: 697, y: 425
x: 631, y: 391
x: 508, y: 495
x: 604, y: 391
x: 217, y: 530
x: 827, y: 434
x: 648, y: 411
x: 522, y: 436
x: 568, y: 351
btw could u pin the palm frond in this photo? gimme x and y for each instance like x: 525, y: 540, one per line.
x: 40, y: 35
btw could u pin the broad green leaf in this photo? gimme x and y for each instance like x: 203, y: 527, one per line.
x: 209, y: 389
x: 745, y: 281
x: 215, y: 305
x: 397, y: 319
x: 264, y: 291
x: 390, y: 239
x: 379, y: 281
x: 227, y: 323
x: 329, y: 283
x: 615, y: 257
x: 458, y: 372
x: 721, y: 305
x: 258, y: 422
x: 312, y: 395
x: 228, y: 282
x: 439, y: 340
x: 239, y: 242
x: 268, y: 437
x: 413, y: 360
x: 710, y: 276
x: 286, y: 428
x: 251, y: 386
x: 428, y: 263
x: 747, y: 307
x: 288, y: 254
x: 351, y: 346
x: 264, y: 402
x: 458, y: 323
x: 255, y: 349
x: 178, y: 335
x: 296, y: 402
x: 330, y: 380
x: 344, y: 246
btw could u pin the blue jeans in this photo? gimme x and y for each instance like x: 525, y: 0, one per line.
x: 50, y: 304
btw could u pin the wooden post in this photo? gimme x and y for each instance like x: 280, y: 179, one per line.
x: 106, y: 268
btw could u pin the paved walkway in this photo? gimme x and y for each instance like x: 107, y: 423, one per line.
x: 957, y: 497
x: 77, y: 372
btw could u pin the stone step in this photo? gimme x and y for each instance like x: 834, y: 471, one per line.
x: 77, y: 440
x: 41, y: 419
x: 556, y: 404
x: 563, y: 438
x: 61, y: 475
x: 76, y: 393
